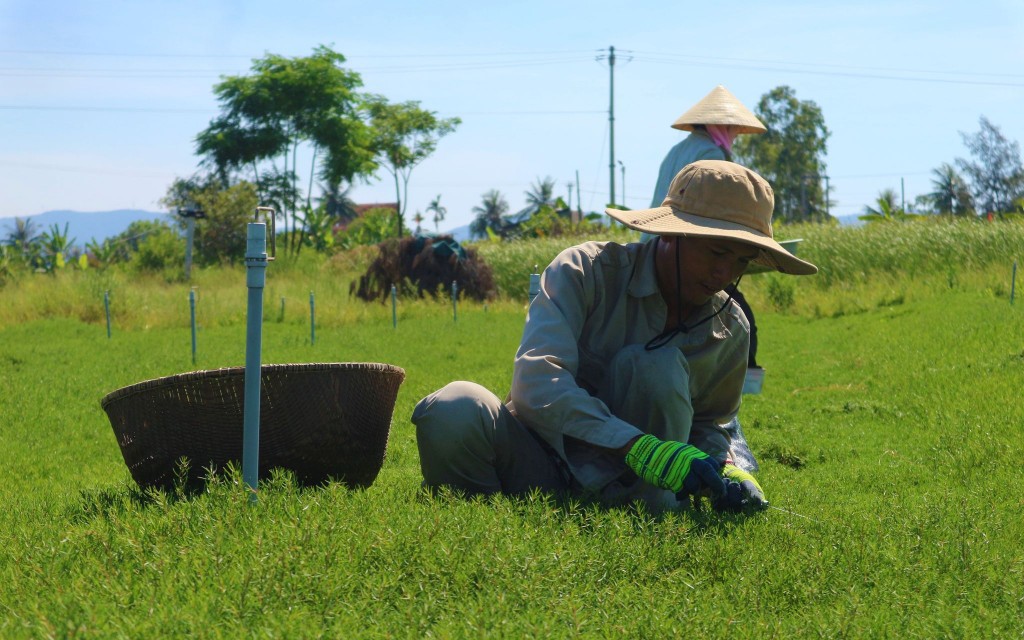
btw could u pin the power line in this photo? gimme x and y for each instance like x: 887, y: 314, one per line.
x: 472, y: 66
x: 133, y: 74
x: 114, y: 172
x: 521, y: 59
x: 41, y: 72
x: 832, y: 65
x: 417, y: 56
x: 29, y: 107
x: 527, y: 113
x: 833, y: 74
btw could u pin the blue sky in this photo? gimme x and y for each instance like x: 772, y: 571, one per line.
x: 100, y: 101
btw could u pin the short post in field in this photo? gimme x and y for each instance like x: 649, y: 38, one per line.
x: 455, y: 301
x: 280, y: 317
x: 394, y: 307
x: 192, y: 317
x: 312, y: 319
x: 256, y: 260
x: 106, y: 310
x: 1013, y: 281
x: 190, y: 215
x: 190, y: 233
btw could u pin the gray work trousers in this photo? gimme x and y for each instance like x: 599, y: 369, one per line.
x: 470, y: 441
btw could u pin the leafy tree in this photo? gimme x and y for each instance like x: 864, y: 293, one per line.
x: 790, y: 155
x: 220, y: 235
x: 132, y: 238
x: 547, y: 221
x: 125, y: 246
x: 373, y: 227
x: 283, y: 103
x: 996, y: 174
x: 159, y: 250
x: 404, y: 136
x: 951, y: 196
x: 489, y: 214
x: 277, y: 189
x: 438, y: 211
x: 541, y: 193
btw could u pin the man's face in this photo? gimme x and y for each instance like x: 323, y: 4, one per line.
x: 706, y: 266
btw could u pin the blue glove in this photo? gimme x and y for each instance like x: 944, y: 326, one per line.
x: 681, y: 468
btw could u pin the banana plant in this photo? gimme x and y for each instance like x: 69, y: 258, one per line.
x: 105, y: 253
x: 56, y: 247
x: 319, y: 227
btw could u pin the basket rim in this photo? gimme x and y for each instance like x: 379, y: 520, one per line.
x: 224, y: 372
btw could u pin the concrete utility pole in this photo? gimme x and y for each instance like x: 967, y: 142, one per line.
x: 611, y: 125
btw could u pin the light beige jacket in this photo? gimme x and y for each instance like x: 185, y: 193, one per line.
x: 595, y: 299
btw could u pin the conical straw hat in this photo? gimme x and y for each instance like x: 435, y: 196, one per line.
x: 722, y: 108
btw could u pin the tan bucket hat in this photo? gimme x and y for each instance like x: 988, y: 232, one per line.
x: 719, y: 199
x: 722, y: 108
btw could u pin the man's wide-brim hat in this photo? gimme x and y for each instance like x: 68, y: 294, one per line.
x: 722, y: 108
x: 719, y: 199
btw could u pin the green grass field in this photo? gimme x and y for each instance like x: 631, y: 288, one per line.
x: 889, y: 429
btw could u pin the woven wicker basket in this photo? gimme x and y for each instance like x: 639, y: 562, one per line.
x: 322, y: 421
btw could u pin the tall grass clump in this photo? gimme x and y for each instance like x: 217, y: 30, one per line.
x: 888, y: 264
x: 142, y: 299
x: 879, y: 264
x: 924, y: 247
x: 513, y: 262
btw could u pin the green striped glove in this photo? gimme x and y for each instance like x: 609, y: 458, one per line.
x: 681, y: 468
x: 751, y: 492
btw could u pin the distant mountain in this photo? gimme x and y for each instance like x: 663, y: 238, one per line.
x: 852, y: 220
x: 461, y: 234
x: 86, y: 226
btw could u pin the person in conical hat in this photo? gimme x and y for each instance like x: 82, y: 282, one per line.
x: 713, y: 123
x: 631, y: 363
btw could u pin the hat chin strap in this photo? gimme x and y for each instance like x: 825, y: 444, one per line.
x: 666, y: 337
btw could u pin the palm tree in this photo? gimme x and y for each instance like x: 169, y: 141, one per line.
x: 438, y: 211
x: 337, y: 202
x: 889, y: 209
x: 542, y: 193
x: 22, y: 235
x: 418, y: 219
x: 488, y: 214
x: 951, y: 193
